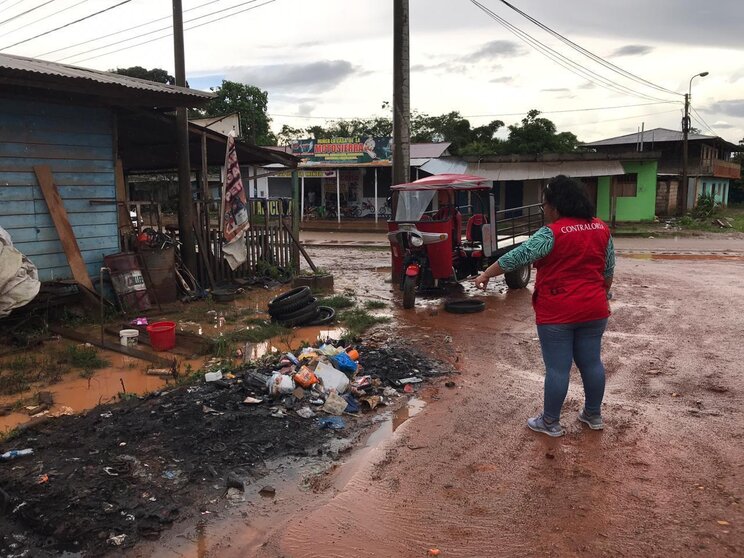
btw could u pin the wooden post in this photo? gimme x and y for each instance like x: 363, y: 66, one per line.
x: 295, y: 231
x: 122, y: 199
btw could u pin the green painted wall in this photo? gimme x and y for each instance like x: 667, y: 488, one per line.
x: 642, y: 207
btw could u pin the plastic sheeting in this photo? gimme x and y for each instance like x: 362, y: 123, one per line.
x: 19, y: 278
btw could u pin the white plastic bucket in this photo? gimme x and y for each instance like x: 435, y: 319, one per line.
x: 128, y: 337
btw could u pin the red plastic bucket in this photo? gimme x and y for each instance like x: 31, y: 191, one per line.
x: 162, y: 335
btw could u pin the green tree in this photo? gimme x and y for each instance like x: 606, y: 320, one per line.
x: 451, y: 127
x: 538, y: 135
x: 156, y: 74
x: 250, y: 103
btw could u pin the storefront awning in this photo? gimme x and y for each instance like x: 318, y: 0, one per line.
x: 537, y: 170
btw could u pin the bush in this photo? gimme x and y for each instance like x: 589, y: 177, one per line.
x: 706, y: 207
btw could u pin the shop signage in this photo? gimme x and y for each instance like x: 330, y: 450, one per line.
x: 359, y: 150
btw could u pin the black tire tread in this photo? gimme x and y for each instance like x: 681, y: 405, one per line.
x: 513, y: 279
x: 326, y: 315
x: 295, y: 313
x: 293, y: 299
x: 465, y: 306
x: 304, y: 318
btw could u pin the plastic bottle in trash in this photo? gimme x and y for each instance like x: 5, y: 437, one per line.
x: 12, y: 454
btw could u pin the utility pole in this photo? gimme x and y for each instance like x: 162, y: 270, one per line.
x: 185, y: 201
x: 682, y: 188
x: 401, y: 94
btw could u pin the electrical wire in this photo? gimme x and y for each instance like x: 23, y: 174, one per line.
x: 479, y: 115
x: 702, y: 122
x: 66, y: 25
x: 26, y: 12
x: 11, y: 6
x: 107, y: 35
x: 564, y: 61
x: 167, y: 27
x: 591, y: 55
x: 34, y: 22
x: 579, y: 124
x: 170, y: 34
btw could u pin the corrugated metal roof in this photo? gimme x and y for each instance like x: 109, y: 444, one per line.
x: 32, y: 66
x: 538, y: 170
x: 649, y: 137
x: 429, y: 150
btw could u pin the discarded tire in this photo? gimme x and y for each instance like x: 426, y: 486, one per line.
x: 465, y: 306
x: 302, y: 317
x: 326, y: 315
x: 312, y: 304
x: 293, y: 299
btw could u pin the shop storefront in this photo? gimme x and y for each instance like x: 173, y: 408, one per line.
x: 344, y: 178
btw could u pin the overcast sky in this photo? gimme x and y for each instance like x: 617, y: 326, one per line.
x: 333, y: 58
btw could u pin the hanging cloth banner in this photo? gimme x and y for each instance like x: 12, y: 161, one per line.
x: 234, y: 201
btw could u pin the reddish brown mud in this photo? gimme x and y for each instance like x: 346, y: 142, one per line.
x: 665, y: 477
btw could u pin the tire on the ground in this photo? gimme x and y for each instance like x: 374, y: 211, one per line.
x: 409, y: 292
x: 307, y: 315
x: 326, y: 315
x: 310, y: 303
x: 464, y: 306
x: 293, y: 299
x: 518, y: 278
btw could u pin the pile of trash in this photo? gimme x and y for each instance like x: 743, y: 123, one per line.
x: 107, y: 478
x: 328, y: 381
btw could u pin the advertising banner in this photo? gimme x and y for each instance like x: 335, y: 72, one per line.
x: 359, y: 150
x: 234, y: 199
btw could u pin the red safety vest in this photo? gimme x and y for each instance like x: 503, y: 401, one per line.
x: 569, y: 287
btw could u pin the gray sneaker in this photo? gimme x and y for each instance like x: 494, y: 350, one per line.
x: 592, y: 421
x: 553, y: 429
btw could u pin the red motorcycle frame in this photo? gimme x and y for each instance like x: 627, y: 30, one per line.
x: 425, y: 233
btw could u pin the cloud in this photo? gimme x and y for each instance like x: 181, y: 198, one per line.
x: 496, y: 49
x: 556, y: 90
x: 311, y: 76
x: 587, y: 85
x: 503, y: 79
x: 305, y: 109
x: 733, y: 107
x: 722, y: 125
x: 632, y: 50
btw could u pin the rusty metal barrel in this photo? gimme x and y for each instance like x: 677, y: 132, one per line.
x: 128, y: 281
x: 160, y: 273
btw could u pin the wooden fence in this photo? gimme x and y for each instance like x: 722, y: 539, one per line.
x: 268, y: 240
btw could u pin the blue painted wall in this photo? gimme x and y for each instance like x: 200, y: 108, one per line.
x: 719, y: 187
x: 77, y: 143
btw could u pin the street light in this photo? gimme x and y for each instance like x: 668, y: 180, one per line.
x: 682, y: 189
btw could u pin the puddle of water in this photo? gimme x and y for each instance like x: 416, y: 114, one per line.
x: 74, y: 393
x: 309, y: 335
x: 382, y: 434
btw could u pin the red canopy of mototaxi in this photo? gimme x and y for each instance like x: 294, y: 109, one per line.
x: 447, y: 181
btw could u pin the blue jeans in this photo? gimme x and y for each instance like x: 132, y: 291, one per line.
x: 563, y: 344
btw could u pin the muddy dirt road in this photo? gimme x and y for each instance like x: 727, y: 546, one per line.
x: 666, y: 476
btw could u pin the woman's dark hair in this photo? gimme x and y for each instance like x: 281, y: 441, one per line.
x: 569, y: 198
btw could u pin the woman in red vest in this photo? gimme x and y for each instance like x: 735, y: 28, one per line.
x: 575, y: 261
